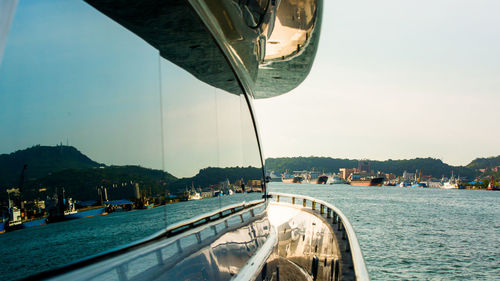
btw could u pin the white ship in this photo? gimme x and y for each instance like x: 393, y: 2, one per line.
x: 452, y: 183
x: 335, y: 180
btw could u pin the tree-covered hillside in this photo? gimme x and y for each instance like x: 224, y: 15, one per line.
x: 50, y: 168
x: 41, y: 161
x: 82, y: 184
x: 428, y: 166
x: 211, y: 175
x: 483, y: 163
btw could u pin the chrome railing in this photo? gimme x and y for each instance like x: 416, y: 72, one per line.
x: 128, y: 261
x: 337, y: 217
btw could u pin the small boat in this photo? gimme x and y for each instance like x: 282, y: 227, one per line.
x: 14, y: 222
x: 194, y: 196
x: 491, y: 186
x: 404, y: 184
x: 88, y: 213
x: 419, y: 184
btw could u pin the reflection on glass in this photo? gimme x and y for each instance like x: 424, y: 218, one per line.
x: 292, y: 28
x: 101, y: 133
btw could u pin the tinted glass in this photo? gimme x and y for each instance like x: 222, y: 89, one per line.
x: 107, y: 138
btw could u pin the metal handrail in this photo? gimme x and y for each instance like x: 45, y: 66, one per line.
x: 357, y: 256
x: 171, y: 231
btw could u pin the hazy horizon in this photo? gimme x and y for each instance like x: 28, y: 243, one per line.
x: 333, y: 157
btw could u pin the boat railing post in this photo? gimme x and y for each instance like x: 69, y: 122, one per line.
x: 122, y: 271
x: 293, y: 200
x: 313, y: 205
x: 328, y: 213
x: 321, y: 209
x: 159, y: 257
x: 277, y: 198
x: 304, y: 202
x: 336, y: 270
x: 179, y: 247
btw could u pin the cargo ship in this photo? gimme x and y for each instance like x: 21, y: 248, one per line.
x: 356, y: 180
x: 274, y: 177
x: 315, y: 178
x: 287, y: 178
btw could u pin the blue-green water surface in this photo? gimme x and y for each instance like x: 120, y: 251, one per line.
x: 404, y: 233
x: 417, y: 233
x: 28, y: 251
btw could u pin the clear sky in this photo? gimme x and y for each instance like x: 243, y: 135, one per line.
x: 395, y: 79
x: 71, y: 74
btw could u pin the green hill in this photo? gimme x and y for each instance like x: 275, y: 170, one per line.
x: 483, y: 163
x: 82, y: 184
x: 428, y: 166
x: 41, y: 161
x: 211, y: 175
x: 55, y: 167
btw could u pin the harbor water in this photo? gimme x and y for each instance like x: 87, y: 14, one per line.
x: 404, y: 233
x: 419, y: 233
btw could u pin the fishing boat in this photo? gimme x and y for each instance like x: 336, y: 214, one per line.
x: 235, y: 51
x: 452, y: 183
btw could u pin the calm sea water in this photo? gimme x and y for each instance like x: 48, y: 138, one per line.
x: 28, y: 251
x: 409, y: 233
x: 416, y: 233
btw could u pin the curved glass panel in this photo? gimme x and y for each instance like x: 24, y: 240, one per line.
x: 104, y: 140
